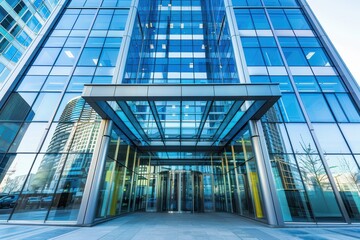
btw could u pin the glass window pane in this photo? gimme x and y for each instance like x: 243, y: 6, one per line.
x: 44, y: 106
x: 253, y: 57
x: 67, y: 56
x: 316, y: 108
x: 8, y: 132
x: 290, y: 108
x: 17, y: 106
x: 278, y: 19
x: 108, y: 57
x: 89, y: 57
x: 260, y: 20
x: 272, y: 57
x: 330, y: 138
x: 243, y: 19
x: 301, y: 138
x: 47, y: 56
x: 31, y: 83
x: 336, y: 108
x: 349, y: 107
x: 55, y: 83
x: 330, y: 84
x: 306, y: 84
x: 317, y: 57
x: 295, y: 57
x: 297, y: 19
x: 350, y: 131
x: 29, y: 138
x: 20, y: 165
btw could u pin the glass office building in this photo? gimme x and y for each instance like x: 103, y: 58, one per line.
x: 20, y: 23
x: 239, y: 106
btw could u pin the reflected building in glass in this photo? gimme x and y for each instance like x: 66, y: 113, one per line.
x: 239, y: 106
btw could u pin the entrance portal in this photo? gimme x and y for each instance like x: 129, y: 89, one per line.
x: 180, y: 191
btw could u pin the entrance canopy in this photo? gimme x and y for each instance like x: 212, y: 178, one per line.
x: 181, y: 118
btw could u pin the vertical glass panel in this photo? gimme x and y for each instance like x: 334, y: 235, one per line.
x: 67, y: 56
x: 330, y: 84
x: 11, y: 184
x: 89, y: 57
x: 316, y: 108
x: 346, y: 174
x: 316, y: 57
x: 17, y: 106
x: 295, y: 57
x: 330, y: 138
x: 47, y: 56
x: 306, y: 84
x: 272, y: 57
x: 244, y: 20
x: 290, y: 108
x: 291, y: 193
x: 276, y: 138
x: 253, y: 57
x: 31, y: 83
x: 8, y: 132
x: 301, y: 139
x: 349, y: 107
x: 335, y: 107
x: 55, y: 83
x: 29, y: 137
x: 278, y: 19
x: 44, y: 105
x: 36, y: 198
x: 319, y: 190
x: 260, y: 20
x: 67, y: 199
x: 297, y: 19
x: 350, y: 132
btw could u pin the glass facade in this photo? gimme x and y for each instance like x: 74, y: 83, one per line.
x: 21, y: 22
x: 160, y: 145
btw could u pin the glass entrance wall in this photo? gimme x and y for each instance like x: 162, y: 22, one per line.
x: 307, y: 134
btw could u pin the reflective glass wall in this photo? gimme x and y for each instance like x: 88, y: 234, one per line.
x: 312, y: 149
x: 20, y: 24
x: 48, y: 132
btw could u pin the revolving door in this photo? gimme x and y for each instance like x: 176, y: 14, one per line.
x: 180, y: 191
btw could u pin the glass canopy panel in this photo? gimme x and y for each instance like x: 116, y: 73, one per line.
x: 180, y: 119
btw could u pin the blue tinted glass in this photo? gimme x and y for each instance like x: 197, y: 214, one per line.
x: 306, y: 84
x: 8, y: 132
x: 290, y: 108
x: 295, y: 57
x: 243, y: 19
x: 84, y: 22
x: 74, y: 42
x: 67, y: 56
x: 44, y: 106
x: 297, y: 19
x: 119, y: 20
x: 271, y: 3
x: 350, y: 110
x: 47, y: 56
x: 17, y: 106
x: 89, y: 57
x: 335, y: 107
x: 253, y: 57
x: 77, y: 83
x: 309, y: 42
x: 102, y: 22
x: 55, y: 83
x: 317, y: 57
x: 316, y: 108
x: 249, y: 42
x: 112, y: 42
x: 284, y: 83
x: 288, y: 42
x: 95, y: 42
x: 278, y: 19
x: 330, y: 84
x: 108, y: 57
x: 272, y: 57
x: 259, y: 79
x: 260, y: 20
x: 31, y: 83
x: 66, y: 22
x: 267, y: 41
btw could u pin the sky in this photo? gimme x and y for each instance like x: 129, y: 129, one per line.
x: 341, y: 21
